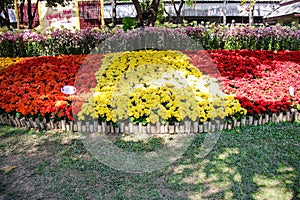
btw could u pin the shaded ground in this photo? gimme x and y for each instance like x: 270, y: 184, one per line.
x: 251, y: 163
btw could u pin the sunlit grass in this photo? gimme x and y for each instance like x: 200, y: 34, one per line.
x: 249, y: 163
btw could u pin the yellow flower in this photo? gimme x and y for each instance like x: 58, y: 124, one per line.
x: 141, y: 83
x: 7, y: 62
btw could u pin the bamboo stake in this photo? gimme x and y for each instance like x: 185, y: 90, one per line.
x: 260, y: 119
x: 63, y: 125
x: 255, y: 122
x: 148, y: 129
x: 71, y: 126
x: 187, y: 125
x: 144, y: 129
x: 222, y: 126
x: 18, y: 122
x: 87, y: 127
x: 288, y: 116
x: 243, y: 121
x: 158, y: 127
x: 217, y: 125
x: 153, y: 129
x: 68, y: 127
x: 75, y: 127
x: 92, y: 128
x: 167, y: 127
x: 140, y: 129
x: 135, y: 128
x: 171, y: 129
x: 103, y: 124
x: 267, y: 117
x: 177, y: 127
x: 250, y: 120
x: 99, y: 129
x: 162, y: 128
x: 52, y: 123
x: 201, y: 128
x: 122, y: 127
x: 205, y: 127
x: 79, y: 127
x: 96, y: 126
x: 40, y: 124
x: 273, y: 117
x: 131, y: 128
x: 196, y: 127
x: 126, y: 128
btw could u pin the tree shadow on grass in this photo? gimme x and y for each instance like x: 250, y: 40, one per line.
x: 257, y: 163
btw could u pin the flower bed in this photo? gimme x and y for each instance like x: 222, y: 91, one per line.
x: 30, y: 43
x: 32, y: 86
x: 260, y: 80
x: 156, y: 86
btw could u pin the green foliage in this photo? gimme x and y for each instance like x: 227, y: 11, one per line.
x: 160, y: 14
x: 129, y: 23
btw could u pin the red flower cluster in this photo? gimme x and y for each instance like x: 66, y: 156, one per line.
x: 259, y: 79
x: 33, y: 86
x: 204, y: 62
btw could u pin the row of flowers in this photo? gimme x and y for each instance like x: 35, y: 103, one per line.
x: 32, y: 86
x: 260, y: 81
x: 153, y: 86
x: 28, y: 43
x: 244, y: 37
x: 211, y: 36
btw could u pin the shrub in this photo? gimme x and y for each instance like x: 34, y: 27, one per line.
x: 129, y: 23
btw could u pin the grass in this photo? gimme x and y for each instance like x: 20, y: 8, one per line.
x: 249, y: 163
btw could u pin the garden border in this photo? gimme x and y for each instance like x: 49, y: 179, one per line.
x: 158, y: 128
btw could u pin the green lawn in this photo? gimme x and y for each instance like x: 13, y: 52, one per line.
x: 250, y: 163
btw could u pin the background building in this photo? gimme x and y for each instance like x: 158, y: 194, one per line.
x: 287, y: 13
x: 205, y: 10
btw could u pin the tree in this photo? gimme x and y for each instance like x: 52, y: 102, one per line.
x: 178, y: 8
x: 147, y: 13
x: 250, y: 9
x: 4, y: 20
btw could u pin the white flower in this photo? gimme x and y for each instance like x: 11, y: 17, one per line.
x: 292, y: 91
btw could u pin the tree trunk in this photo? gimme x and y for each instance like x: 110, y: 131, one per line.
x: 114, y: 13
x: 139, y: 12
x: 251, y: 20
x: 35, y: 9
x: 224, y: 12
x: 22, y: 12
x: 178, y: 11
x: 169, y: 15
x: 154, y: 6
x: 29, y: 13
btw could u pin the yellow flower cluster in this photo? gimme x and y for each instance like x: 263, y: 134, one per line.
x: 156, y: 86
x: 6, y: 62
